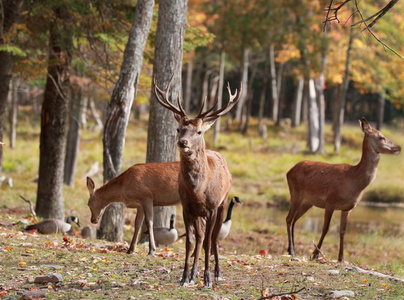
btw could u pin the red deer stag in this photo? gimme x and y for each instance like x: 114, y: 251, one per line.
x: 204, y: 182
x: 334, y: 186
x: 142, y: 186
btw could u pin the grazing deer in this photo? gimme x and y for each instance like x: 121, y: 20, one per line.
x: 204, y: 182
x: 142, y: 186
x: 334, y: 186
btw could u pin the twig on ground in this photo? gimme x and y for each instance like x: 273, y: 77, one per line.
x: 319, y: 251
x: 282, y: 294
x: 31, y: 206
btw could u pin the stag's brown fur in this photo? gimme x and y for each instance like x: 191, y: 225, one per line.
x: 204, y: 183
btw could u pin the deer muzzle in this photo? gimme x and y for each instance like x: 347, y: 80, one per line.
x: 183, y: 144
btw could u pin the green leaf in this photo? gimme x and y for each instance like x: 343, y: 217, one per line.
x: 13, y: 49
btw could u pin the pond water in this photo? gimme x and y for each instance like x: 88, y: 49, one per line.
x: 364, y: 219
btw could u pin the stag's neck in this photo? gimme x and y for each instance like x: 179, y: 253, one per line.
x: 367, y: 166
x: 194, y: 168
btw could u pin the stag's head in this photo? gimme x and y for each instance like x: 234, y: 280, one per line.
x: 94, y: 204
x: 190, y: 131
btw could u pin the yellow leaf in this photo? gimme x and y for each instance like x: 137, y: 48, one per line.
x: 22, y: 264
x: 365, y: 280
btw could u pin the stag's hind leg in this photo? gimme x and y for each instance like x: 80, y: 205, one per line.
x: 207, y: 244
x: 199, y: 231
x: 215, y: 239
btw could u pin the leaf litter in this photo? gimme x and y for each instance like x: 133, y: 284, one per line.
x: 100, y: 269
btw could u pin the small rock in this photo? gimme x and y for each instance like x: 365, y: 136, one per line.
x: 343, y: 293
x: 53, y: 277
x: 310, y: 278
x: 333, y: 272
x: 30, y: 279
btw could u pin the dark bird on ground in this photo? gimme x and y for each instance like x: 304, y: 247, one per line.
x: 224, y: 231
x: 51, y: 226
x: 166, y: 236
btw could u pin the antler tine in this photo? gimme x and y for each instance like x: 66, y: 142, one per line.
x: 164, y: 94
x: 201, y: 109
x: 180, y: 106
x: 233, y: 99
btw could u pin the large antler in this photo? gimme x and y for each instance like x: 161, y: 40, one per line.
x: 211, y: 115
x: 164, y: 102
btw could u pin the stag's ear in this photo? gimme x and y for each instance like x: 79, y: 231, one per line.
x: 90, y: 185
x: 366, y: 128
x: 207, y: 124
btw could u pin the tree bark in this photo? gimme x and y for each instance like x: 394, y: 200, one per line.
x: 321, y: 104
x: 274, y: 86
x: 381, y: 100
x: 341, y: 102
x: 161, y: 137
x: 49, y: 202
x: 313, y: 118
x: 11, y: 13
x: 216, y: 131
x: 188, y: 82
x: 263, y: 92
x: 297, y: 107
x: 13, y: 109
x: 244, y: 76
x: 73, y: 136
x: 119, y: 108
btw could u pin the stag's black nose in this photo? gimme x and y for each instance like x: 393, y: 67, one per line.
x: 182, y: 143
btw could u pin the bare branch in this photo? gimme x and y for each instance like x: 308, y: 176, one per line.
x: 335, y: 11
x: 282, y: 294
x: 371, y: 32
x: 379, y: 14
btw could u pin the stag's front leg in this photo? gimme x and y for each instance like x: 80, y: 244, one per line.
x: 138, y: 224
x: 215, y: 239
x: 199, y: 230
x: 207, y: 243
x: 188, y: 246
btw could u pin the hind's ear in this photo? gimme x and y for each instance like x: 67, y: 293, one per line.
x: 90, y: 186
x: 365, y: 126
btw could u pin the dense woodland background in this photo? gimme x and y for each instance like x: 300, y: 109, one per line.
x: 73, y: 64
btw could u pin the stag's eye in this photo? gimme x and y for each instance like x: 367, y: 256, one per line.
x: 178, y: 130
x: 199, y: 132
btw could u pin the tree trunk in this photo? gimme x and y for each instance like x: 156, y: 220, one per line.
x: 49, y: 202
x: 188, y: 83
x: 274, y: 86
x: 263, y: 93
x: 161, y: 137
x: 249, y: 98
x: 73, y: 136
x: 297, y: 107
x: 321, y: 103
x: 11, y: 10
x: 216, y: 131
x: 13, y: 109
x: 381, y: 100
x: 244, y: 76
x: 313, y: 118
x: 119, y: 108
x: 341, y: 102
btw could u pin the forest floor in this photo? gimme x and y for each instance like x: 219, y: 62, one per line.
x: 95, y: 269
